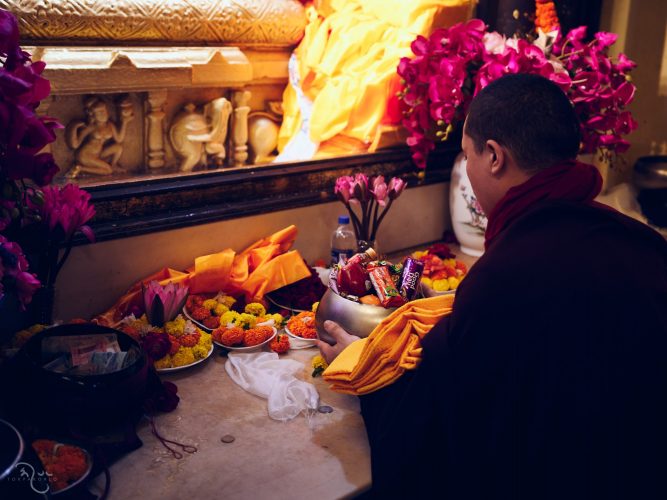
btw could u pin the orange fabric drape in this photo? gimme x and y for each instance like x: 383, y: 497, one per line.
x: 264, y: 266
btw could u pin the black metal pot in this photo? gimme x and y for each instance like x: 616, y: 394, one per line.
x: 82, y: 402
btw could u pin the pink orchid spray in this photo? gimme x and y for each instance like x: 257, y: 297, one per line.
x: 451, y: 66
x: 368, y: 194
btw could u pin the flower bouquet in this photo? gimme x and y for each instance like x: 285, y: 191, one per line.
x: 36, y: 221
x: 368, y: 194
x: 451, y: 66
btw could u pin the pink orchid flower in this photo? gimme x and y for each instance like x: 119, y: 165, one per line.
x: 396, y: 187
x: 380, y: 190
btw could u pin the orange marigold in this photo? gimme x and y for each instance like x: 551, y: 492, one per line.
x: 189, y: 340
x: 232, y: 336
x: 280, y: 344
x: 257, y: 335
x: 546, y: 17
x: 305, y: 329
x: 175, y: 345
x: 200, y: 313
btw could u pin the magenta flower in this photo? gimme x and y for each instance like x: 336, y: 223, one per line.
x: 14, y: 275
x: 454, y: 64
x: 68, y: 208
x: 343, y: 188
x: 163, y: 303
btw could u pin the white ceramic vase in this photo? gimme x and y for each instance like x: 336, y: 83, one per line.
x: 468, y: 219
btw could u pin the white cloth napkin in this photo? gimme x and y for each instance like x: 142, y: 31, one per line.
x: 267, y: 376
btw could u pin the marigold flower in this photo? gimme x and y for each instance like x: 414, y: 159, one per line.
x: 210, y: 304
x: 229, y: 317
x: 220, y: 309
x: 175, y: 345
x: 319, y: 364
x: 256, y: 336
x: 255, y: 308
x: 246, y: 320
x: 200, y: 313
x: 183, y: 357
x: 227, y: 300
x: 303, y: 325
x: 231, y: 336
x: 164, y: 362
x: 200, y: 352
x: 211, y: 322
x: 175, y: 327
x: 280, y: 344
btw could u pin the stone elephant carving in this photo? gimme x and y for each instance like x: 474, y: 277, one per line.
x: 194, y: 136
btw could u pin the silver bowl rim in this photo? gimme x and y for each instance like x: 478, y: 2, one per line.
x: 8, y: 471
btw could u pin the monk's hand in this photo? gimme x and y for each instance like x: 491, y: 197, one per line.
x: 342, y: 338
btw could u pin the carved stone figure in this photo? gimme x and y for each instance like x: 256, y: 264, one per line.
x: 97, y: 141
x: 194, y: 135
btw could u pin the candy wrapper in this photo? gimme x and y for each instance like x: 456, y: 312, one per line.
x: 385, y: 288
x: 410, y: 278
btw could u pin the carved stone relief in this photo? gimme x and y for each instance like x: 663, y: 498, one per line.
x: 97, y: 140
x: 263, y: 127
x: 200, y: 137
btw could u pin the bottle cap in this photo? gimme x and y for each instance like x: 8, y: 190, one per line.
x: 343, y: 219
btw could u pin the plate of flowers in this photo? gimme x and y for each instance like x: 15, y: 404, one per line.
x: 301, y: 330
x: 236, y: 338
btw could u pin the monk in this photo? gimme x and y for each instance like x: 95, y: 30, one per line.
x: 549, y: 378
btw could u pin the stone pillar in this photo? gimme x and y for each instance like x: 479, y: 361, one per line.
x: 240, y: 100
x: 155, y: 129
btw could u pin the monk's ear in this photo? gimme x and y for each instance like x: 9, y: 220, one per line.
x: 497, y: 155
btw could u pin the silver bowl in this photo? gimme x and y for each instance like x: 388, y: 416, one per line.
x: 357, y: 319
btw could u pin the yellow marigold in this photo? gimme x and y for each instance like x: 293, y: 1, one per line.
x: 200, y: 352
x: 229, y: 317
x: 175, y: 327
x: 255, y: 308
x: 246, y: 321
x: 183, y: 357
x: 20, y: 338
x: 419, y: 254
x: 36, y: 328
x: 278, y: 318
x: 210, y: 304
x: 220, y: 309
x: 319, y: 364
x: 205, y: 341
x: 315, y: 306
x: 227, y: 300
x: 163, y: 362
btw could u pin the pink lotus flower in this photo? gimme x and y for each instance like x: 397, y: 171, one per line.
x: 343, y: 188
x: 14, y: 273
x: 163, y: 303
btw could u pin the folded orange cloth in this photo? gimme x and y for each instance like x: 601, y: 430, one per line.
x: 264, y: 266
x: 392, y: 347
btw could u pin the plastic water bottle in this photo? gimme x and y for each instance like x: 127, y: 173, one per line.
x: 343, y: 241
